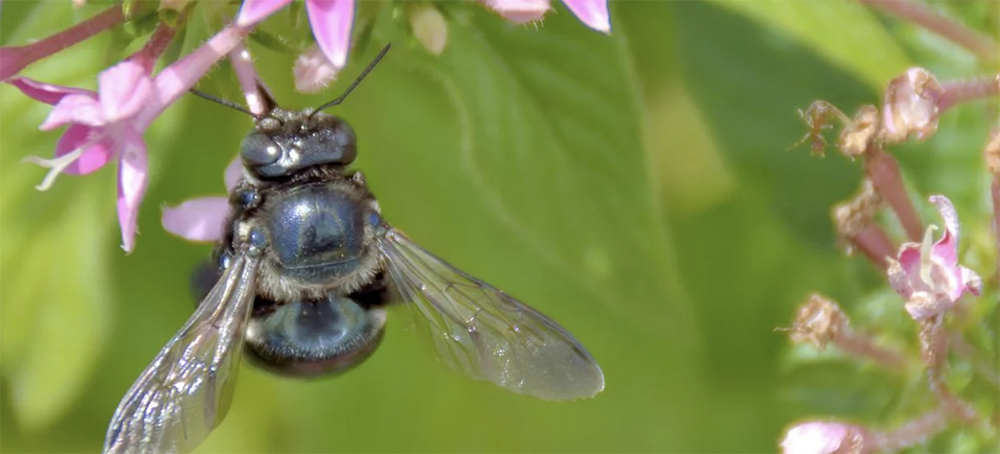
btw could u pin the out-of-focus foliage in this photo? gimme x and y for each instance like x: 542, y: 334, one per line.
x: 635, y: 187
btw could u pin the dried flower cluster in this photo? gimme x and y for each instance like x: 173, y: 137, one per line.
x: 924, y: 268
x: 107, y: 126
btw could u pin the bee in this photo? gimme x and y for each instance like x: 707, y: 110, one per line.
x: 301, y: 283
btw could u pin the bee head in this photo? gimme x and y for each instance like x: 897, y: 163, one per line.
x: 284, y: 142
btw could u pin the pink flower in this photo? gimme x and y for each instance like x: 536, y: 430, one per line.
x: 203, y: 219
x: 593, y: 13
x: 928, y: 275
x: 330, y: 20
x: 101, y: 126
x: 816, y: 437
x: 108, y: 125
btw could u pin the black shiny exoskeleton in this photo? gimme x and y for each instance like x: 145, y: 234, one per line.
x: 323, y: 309
x: 301, y: 281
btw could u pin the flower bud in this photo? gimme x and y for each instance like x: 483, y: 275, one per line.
x: 911, y: 106
x: 519, y: 11
x: 313, y: 71
x: 430, y: 28
x: 818, y: 437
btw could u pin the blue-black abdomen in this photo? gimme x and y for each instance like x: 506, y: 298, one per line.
x: 316, y: 232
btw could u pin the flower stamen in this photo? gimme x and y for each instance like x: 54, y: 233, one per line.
x: 55, y: 165
x: 926, y: 251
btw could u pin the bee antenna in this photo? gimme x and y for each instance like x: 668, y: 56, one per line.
x: 356, y: 81
x: 224, y: 102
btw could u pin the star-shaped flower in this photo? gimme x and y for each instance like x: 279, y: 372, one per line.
x: 107, y: 125
x: 331, y: 21
x: 102, y: 127
x: 928, y: 275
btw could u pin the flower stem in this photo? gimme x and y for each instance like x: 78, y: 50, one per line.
x: 854, y: 222
x: 155, y: 47
x: 913, y: 432
x: 175, y: 80
x: 968, y: 90
x: 883, y: 169
x: 874, y: 243
x: 979, y: 44
x: 934, y: 349
x: 865, y: 347
x: 16, y: 58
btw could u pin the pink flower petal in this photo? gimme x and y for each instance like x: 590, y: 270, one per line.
x: 971, y: 281
x: 234, y: 171
x: 131, y: 185
x: 82, y: 108
x: 175, y: 80
x: 94, y: 157
x: 43, y: 92
x: 946, y: 249
x: 823, y: 438
x: 331, y: 22
x: 197, y: 219
x: 923, y: 305
x: 254, y: 11
x: 594, y: 13
x: 909, y: 257
x: 519, y: 11
x: 123, y: 90
x: 899, y: 279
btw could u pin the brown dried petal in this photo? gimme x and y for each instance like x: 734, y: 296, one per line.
x: 856, y: 137
x: 819, y: 321
x: 992, y: 152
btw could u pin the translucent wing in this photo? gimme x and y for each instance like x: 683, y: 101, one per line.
x: 185, y: 392
x: 484, y: 332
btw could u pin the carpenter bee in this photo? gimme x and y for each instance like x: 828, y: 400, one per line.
x: 301, y: 282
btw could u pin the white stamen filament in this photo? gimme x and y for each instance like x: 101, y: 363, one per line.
x: 55, y: 166
x: 926, y: 249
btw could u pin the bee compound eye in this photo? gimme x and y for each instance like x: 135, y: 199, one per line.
x: 309, y: 338
x: 259, y: 150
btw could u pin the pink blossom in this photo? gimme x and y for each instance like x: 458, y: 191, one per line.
x: 519, y: 11
x: 330, y: 20
x: 108, y: 124
x: 593, y: 13
x: 818, y: 437
x: 928, y: 275
x: 203, y: 219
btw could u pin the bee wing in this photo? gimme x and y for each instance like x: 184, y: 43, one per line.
x: 185, y: 392
x: 486, y: 333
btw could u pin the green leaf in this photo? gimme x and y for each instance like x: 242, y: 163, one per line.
x: 845, y: 34
x: 748, y: 82
x: 57, y: 313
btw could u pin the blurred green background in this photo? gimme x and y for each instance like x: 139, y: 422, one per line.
x: 635, y: 187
